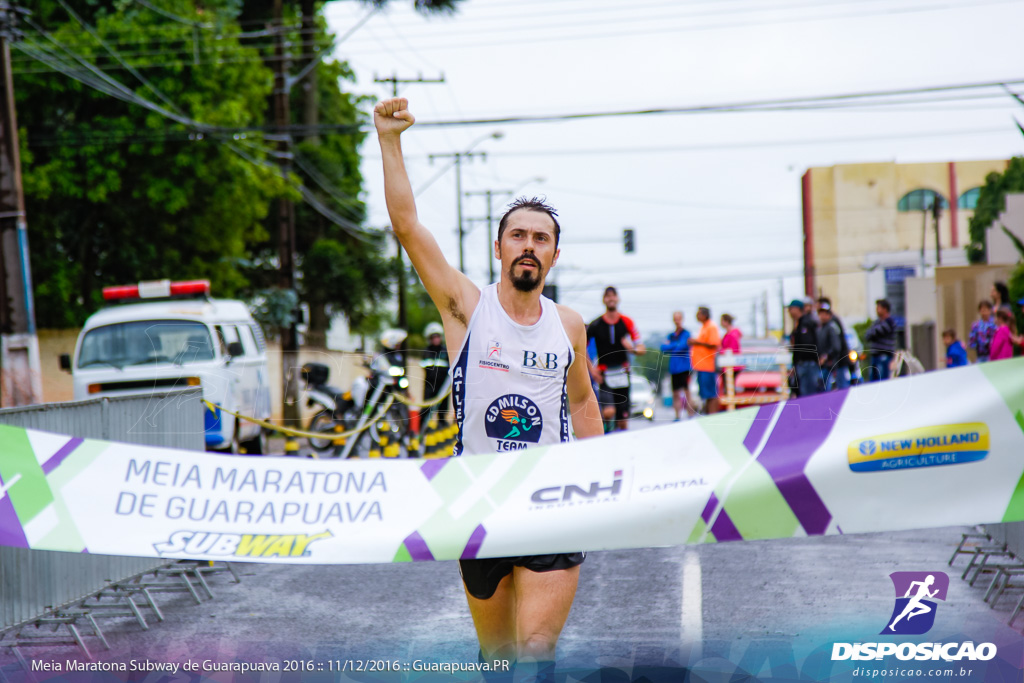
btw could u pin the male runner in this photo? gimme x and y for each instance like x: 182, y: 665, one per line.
x: 615, y: 336
x: 520, y: 372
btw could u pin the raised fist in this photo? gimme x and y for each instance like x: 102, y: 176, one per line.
x: 391, y: 117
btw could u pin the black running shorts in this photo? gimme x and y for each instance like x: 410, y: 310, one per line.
x: 483, y: 576
x: 681, y: 380
x: 618, y: 398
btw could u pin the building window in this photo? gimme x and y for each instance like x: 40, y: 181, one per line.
x: 969, y: 199
x: 921, y: 200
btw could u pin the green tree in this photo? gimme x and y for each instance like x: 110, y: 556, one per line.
x: 991, y: 203
x: 116, y: 192
x: 351, y: 281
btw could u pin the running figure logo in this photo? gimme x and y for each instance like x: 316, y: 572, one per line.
x: 916, y: 592
x: 514, y: 418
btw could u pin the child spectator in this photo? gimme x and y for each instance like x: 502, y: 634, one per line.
x: 1002, y: 342
x: 956, y: 354
x: 982, y: 331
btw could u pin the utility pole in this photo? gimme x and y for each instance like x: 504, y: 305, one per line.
x: 782, y: 304
x: 394, y: 80
x: 20, y: 378
x: 457, y: 158
x: 403, y: 315
x: 937, y: 214
x: 489, y: 219
x: 286, y: 225
x: 764, y: 310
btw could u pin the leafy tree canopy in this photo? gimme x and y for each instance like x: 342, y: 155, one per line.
x: 991, y: 203
x: 117, y: 192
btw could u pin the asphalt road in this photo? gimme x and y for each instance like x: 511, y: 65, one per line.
x: 763, y: 606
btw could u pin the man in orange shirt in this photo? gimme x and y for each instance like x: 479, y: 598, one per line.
x: 705, y: 346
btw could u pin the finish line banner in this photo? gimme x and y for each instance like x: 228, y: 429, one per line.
x: 944, y: 448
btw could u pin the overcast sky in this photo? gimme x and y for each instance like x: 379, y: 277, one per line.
x: 714, y: 197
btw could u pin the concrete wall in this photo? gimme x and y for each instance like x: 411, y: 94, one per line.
x: 1000, y: 249
x: 853, y: 214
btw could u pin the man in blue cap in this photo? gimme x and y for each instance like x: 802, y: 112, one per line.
x: 804, y: 342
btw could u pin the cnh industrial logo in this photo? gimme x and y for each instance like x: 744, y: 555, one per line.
x: 913, y: 613
x: 568, y: 493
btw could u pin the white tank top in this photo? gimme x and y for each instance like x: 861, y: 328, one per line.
x: 508, y: 381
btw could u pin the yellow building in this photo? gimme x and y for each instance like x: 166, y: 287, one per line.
x: 868, y: 227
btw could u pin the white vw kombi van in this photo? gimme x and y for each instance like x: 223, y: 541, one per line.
x: 166, y: 335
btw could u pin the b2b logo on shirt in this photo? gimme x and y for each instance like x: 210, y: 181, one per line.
x: 542, y: 361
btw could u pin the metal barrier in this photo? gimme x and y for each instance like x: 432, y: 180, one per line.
x: 1010, y: 534
x: 33, y: 582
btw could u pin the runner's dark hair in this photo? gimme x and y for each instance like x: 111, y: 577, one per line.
x: 530, y: 204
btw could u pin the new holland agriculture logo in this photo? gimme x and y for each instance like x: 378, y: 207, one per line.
x: 923, y: 447
x: 914, y: 614
x: 196, y: 543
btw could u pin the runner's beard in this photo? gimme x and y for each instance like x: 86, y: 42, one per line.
x: 526, y: 282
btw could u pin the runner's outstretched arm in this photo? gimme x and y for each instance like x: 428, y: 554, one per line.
x: 453, y: 293
x: 586, y: 414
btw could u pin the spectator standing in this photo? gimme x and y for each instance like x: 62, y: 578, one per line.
x: 730, y: 342
x: 804, y: 342
x: 852, y: 372
x: 834, y: 354
x: 732, y: 336
x: 881, y: 339
x: 982, y: 331
x: 678, y: 351
x: 435, y: 366
x: 703, y: 350
x: 1001, y: 297
x: 1002, y: 342
x: 956, y: 354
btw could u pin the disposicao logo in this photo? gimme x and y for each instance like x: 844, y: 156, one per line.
x: 914, y: 614
x: 922, y: 447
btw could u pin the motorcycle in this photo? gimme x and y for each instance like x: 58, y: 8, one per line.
x: 332, y: 406
x: 352, y: 410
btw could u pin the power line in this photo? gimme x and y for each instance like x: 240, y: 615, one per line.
x: 113, y: 88
x: 542, y: 20
x: 174, y: 17
x: 743, y: 106
x: 517, y: 38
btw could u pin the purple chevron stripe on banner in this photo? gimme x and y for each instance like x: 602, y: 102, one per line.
x: 431, y: 467
x: 722, y: 527
x: 58, y: 457
x: 417, y: 547
x: 760, y: 426
x: 802, y: 427
x: 10, y: 526
x: 476, y: 539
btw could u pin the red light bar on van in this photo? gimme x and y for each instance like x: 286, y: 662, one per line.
x: 156, y: 289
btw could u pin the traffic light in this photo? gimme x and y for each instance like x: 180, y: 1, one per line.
x: 627, y: 240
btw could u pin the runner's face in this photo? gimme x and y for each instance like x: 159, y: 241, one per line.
x: 611, y: 301
x: 527, y: 249
x: 677, y: 319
